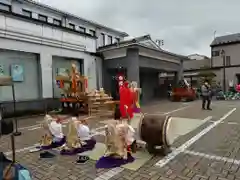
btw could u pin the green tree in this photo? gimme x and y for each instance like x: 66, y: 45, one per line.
x: 207, y: 74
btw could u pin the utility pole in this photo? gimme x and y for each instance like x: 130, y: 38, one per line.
x: 224, y: 69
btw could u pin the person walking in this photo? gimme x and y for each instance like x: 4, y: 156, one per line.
x: 206, y: 95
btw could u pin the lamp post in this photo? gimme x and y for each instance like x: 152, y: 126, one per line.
x: 223, y: 55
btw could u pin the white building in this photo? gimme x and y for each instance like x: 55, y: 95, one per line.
x: 42, y: 40
x: 197, y: 57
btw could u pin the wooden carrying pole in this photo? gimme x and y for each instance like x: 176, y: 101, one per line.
x: 7, y: 81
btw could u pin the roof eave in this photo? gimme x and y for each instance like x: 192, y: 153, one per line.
x: 123, y: 34
x: 117, y: 46
x: 224, y: 44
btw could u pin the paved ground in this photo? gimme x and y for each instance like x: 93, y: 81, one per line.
x: 211, y: 151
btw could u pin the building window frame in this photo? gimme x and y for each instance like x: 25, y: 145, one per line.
x: 57, y: 22
x: 82, y: 29
x: 228, y: 60
x: 103, y: 39
x: 27, y: 13
x: 42, y: 18
x: 7, y: 6
x: 92, y: 32
x: 72, y: 26
x: 215, y: 53
x: 110, y: 38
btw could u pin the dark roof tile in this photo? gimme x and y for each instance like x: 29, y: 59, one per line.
x: 226, y: 39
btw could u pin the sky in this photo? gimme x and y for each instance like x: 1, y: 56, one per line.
x: 186, y: 26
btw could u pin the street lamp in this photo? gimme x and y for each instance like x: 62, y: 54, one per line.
x: 223, y: 55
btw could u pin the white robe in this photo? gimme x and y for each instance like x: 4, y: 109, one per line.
x: 129, y: 132
x: 130, y: 135
x: 56, y: 130
x: 83, y: 132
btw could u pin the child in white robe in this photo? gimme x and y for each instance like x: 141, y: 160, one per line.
x: 82, y: 129
x: 129, y: 135
x: 56, y: 131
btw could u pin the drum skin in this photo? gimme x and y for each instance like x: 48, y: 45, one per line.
x: 153, y: 129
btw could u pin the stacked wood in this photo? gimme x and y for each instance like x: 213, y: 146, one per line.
x: 99, y: 103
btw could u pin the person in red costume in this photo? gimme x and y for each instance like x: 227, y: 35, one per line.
x: 126, y: 101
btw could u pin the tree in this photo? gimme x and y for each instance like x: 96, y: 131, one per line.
x: 207, y: 74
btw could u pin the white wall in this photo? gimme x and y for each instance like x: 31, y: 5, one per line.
x: 158, y: 55
x: 42, y: 34
x: 115, y: 53
x: 196, y: 57
x: 106, y: 33
x: 46, y: 54
x: 232, y: 50
x: 47, y: 41
x: 17, y: 8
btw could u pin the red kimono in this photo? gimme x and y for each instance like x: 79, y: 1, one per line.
x: 126, y: 99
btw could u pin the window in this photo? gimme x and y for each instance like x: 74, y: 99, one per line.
x: 117, y: 40
x: 57, y: 22
x: 42, y: 18
x: 27, y: 13
x: 110, y: 40
x: 5, y: 7
x: 228, y: 61
x: 103, y: 39
x: 92, y: 32
x: 71, y: 26
x: 215, y: 53
x: 82, y: 29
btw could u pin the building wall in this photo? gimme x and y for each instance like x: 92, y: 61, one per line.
x: 29, y: 89
x: 46, y: 53
x: 17, y: 7
x: 230, y: 50
x: 231, y: 74
x: 149, y: 82
x: 159, y: 55
x: 196, y: 57
x: 100, y: 42
x: 148, y: 62
x: 47, y: 41
x: 196, y: 64
x: 24, y: 30
x: 99, y: 72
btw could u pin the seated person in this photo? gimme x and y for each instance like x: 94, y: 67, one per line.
x: 131, y: 142
x: 78, y: 139
x: 120, y: 139
x: 53, y: 133
x: 83, y: 130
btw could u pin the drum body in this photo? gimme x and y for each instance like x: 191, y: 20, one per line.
x: 154, y: 129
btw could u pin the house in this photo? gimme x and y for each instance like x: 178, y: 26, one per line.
x: 226, y: 58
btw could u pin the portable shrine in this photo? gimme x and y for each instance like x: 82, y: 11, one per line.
x: 74, y: 91
x: 75, y: 95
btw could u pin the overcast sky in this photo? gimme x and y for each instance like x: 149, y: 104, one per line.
x: 186, y: 26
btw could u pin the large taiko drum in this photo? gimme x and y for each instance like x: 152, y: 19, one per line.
x: 155, y: 131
